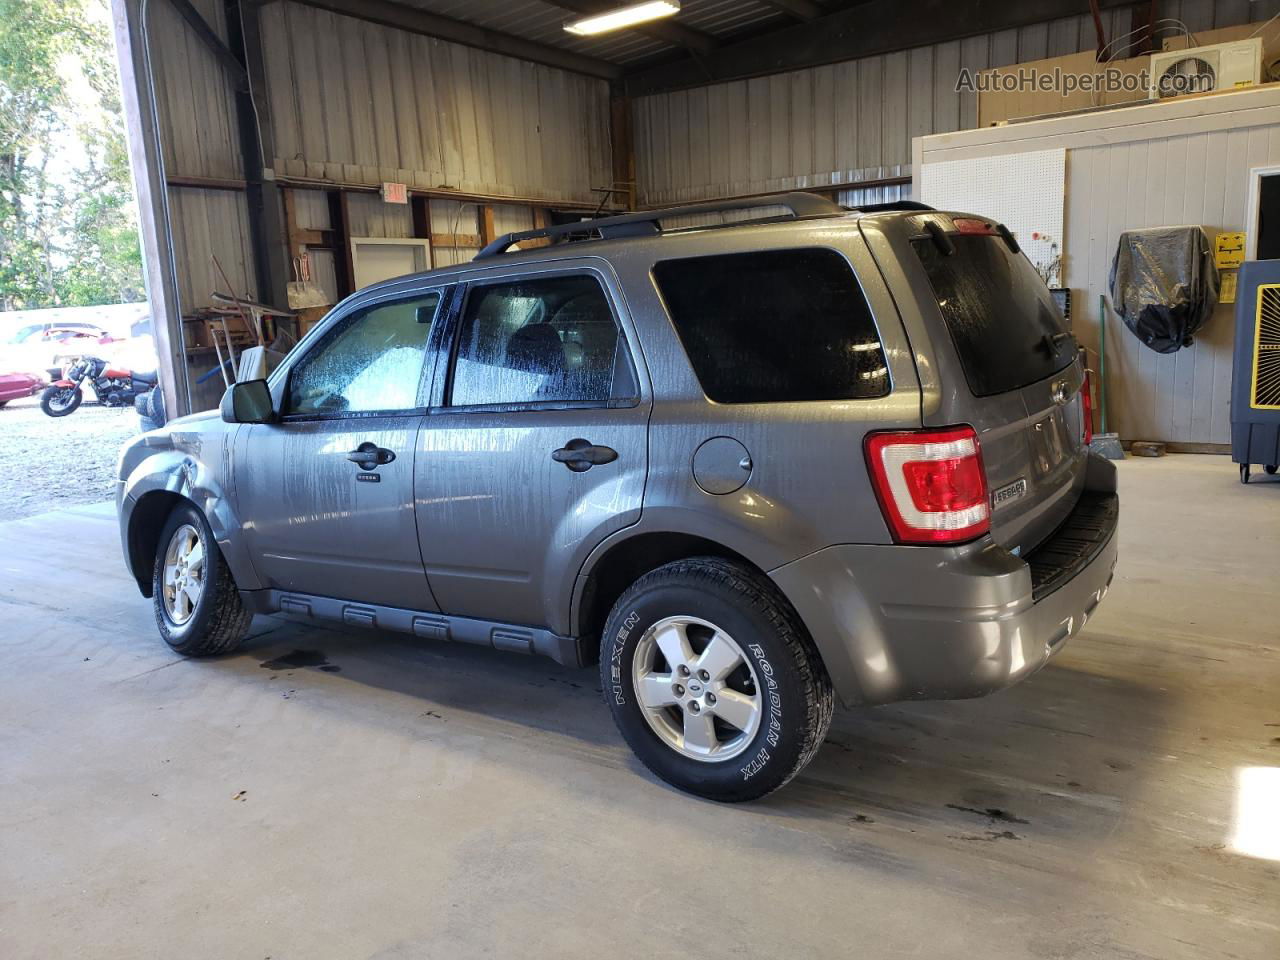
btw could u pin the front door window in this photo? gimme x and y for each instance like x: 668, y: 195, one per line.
x: 370, y: 363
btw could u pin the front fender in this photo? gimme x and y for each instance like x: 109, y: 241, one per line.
x: 203, y: 480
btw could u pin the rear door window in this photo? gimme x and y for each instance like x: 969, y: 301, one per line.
x: 550, y: 340
x: 1004, y: 322
x: 775, y: 326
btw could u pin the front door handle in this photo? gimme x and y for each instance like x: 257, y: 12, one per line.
x: 369, y: 455
x: 579, y: 455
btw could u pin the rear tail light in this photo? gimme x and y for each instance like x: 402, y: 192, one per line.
x: 1086, y: 408
x: 931, y: 484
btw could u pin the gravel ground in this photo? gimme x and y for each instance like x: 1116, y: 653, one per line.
x: 47, y: 463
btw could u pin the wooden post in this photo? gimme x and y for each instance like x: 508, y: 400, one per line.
x: 1142, y: 23
x: 540, y: 220
x: 340, y: 219
x: 488, y: 233
x: 622, y: 147
x: 421, y: 207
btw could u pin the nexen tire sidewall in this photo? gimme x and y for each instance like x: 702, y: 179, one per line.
x: 772, y: 753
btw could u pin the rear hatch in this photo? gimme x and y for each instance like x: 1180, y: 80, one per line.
x: 1005, y: 363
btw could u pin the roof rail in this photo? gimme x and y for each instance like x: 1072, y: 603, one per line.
x: 893, y: 205
x: 648, y: 222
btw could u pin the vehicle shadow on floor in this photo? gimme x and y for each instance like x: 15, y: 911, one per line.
x: 1057, y: 752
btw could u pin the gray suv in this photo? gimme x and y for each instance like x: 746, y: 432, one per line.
x: 749, y: 467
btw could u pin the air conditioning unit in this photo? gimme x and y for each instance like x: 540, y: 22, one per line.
x: 1219, y: 66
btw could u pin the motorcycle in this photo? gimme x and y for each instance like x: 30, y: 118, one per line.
x: 113, y: 386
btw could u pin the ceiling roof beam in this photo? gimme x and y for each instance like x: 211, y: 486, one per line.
x: 667, y: 31
x: 414, y: 20
x: 867, y: 29
x: 213, y: 43
x: 800, y: 9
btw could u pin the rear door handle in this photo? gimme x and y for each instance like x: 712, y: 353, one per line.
x: 579, y: 455
x: 369, y: 455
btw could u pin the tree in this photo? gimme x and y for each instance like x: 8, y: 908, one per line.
x: 68, y: 225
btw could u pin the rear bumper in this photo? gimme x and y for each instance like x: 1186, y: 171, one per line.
x: 927, y: 623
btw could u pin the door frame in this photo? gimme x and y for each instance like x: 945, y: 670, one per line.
x: 1252, y: 207
x: 420, y: 246
x: 444, y: 344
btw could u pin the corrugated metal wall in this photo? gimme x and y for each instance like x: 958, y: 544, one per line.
x: 208, y: 224
x: 851, y: 121
x: 1181, y: 162
x: 198, y: 138
x: 356, y: 102
x: 1197, y: 179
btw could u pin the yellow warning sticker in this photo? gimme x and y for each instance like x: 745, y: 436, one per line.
x: 1228, y: 250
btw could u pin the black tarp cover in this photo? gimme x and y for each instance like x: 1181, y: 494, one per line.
x: 1164, y: 284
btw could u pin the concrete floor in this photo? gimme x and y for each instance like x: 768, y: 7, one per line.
x: 419, y: 800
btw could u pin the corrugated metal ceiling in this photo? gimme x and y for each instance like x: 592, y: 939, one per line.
x: 544, y: 23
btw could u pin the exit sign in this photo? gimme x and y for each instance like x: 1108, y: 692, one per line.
x: 395, y: 193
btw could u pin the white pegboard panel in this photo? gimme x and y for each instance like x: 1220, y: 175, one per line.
x: 1024, y: 191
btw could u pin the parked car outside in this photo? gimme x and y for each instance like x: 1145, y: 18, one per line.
x: 45, y: 348
x: 749, y: 469
x: 15, y: 386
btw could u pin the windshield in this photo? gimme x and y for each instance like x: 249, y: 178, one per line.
x: 22, y: 333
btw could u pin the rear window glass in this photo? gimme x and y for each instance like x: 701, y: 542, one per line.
x: 775, y: 326
x: 1002, y: 318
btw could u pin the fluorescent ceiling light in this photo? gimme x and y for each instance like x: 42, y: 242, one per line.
x: 623, y: 17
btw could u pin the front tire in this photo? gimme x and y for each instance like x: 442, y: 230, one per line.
x: 59, y: 401
x: 713, y: 681
x: 197, y: 606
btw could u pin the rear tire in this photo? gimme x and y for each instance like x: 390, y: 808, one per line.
x: 1271, y: 468
x: 60, y: 401
x: 774, y: 702
x: 197, y: 606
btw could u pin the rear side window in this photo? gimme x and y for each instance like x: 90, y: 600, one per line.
x: 541, y: 340
x: 1006, y: 327
x: 775, y: 326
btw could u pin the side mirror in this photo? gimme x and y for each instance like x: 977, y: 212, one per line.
x: 248, y: 402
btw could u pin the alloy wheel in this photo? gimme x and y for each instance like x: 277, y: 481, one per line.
x: 696, y: 688
x: 183, y: 580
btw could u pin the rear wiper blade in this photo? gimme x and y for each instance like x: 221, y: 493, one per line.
x: 1052, y: 341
